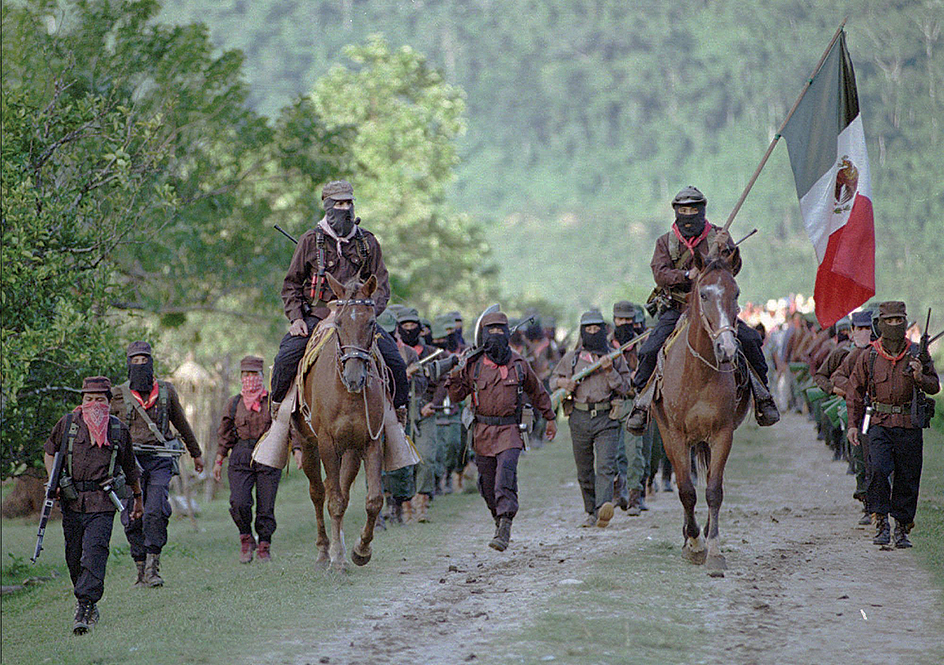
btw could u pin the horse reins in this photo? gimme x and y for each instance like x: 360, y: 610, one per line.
x: 714, y: 335
x: 350, y: 352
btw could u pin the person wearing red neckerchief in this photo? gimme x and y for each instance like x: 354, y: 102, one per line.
x: 673, y: 269
x: 245, y: 418
x: 892, y: 379
x: 98, y: 441
x: 162, y: 409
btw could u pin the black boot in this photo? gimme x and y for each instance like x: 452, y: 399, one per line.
x: 93, y: 615
x: 80, y: 624
x: 882, y: 531
x: 637, y: 421
x: 901, y: 536
x: 502, y: 535
x: 765, y: 410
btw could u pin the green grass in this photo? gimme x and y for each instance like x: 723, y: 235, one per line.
x: 212, y: 609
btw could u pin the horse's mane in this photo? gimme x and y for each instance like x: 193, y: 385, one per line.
x: 714, y: 264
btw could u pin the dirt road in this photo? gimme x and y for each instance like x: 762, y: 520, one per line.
x: 805, y: 584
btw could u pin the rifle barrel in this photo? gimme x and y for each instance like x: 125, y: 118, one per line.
x: 284, y: 233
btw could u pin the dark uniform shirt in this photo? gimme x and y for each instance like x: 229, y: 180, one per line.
x: 840, y: 378
x: 141, y: 433
x: 246, y: 425
x: 297, y: 285
x: 601, y: 386
x: 826, y: 369
x: 90, y: 463
x: 892, y: 382
x: 672, y: 278
x: 498, y: 397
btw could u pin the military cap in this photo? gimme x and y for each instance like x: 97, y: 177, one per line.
x: 891, y: 308
x: 251, y: 364
x: 408, y: 314
x: 494, y: 319
x: 862, y: 319
x: 456, y: 316
x: 843, y: 324
x: 624, y: 309
x: 690, y: 196
x: 426, y: 323
x: 640, y: 316
x: 139, y: 348
x: 97, y: 384
x: 442, y: 326
x: 592, y: 318
x: 387, y: 320
x: 339, y: 190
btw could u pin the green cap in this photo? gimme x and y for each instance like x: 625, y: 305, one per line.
x: 408, y: 314
x: 387, y: 321
x: 593, y: 317
x: 442, y: 326
x: 624, y: 309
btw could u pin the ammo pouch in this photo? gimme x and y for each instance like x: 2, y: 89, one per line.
x: 922, y: 410
x: 119, y: 485
x: 67, y: 490
x: 527, y: 419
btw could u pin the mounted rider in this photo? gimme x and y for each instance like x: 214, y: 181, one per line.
x: 673, y: 269
x: 340, y: 247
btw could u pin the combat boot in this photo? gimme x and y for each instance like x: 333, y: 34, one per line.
x: 882, y: 531
x: 421, y: 505
x: 264, y: 554
x: 866, y: 518
x: 80, y: 624
x: 406, y: 510
x: 604, y: 515
x: 152, y: 570
x: 642, y: 502
x: 93, y: 615
x: 901, y: 536
x: 766, y: 412
x: 502, y: 535
x: 637, y: 421
x: 634, y: 508
x: 139, y: 583
x: 246, y: 546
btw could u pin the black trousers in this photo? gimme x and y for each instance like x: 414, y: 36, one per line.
x: 749, y: 339
x: 87, y: 537
x: 148, y: 534
x: 243, y: 475
x: 498, y: 482
x: 897, y: 450
x: 292, y: 348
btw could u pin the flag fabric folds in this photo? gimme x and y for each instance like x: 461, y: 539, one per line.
x: 830, y: 164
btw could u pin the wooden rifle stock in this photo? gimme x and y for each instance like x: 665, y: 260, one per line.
x: 559, y: 395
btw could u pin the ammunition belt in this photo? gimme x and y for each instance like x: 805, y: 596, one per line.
x: 496, y: 420
x: 246, y: 442
x: 592, y: 406
x: 86, y: 485
x: 891, y: 408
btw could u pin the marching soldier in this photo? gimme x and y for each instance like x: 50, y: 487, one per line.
x: 246, y: 418
x: 673, y: 267
x: 339, y: 246
x: 97, y: 449
x: 149, y: 407
x: 891, y: 379
x: 498, y: 380
x: 594, y: 424
x: 630, y: 486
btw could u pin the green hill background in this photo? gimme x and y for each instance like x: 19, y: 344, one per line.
x: 586, y: 116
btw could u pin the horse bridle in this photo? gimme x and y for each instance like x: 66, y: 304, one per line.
x: 713, y: 334
x: 350, y: 351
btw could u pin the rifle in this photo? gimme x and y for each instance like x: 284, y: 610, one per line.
x: 923, y: 355
x: 50, y: 499
x: 159, y: 451
x: 442, y: 367
x: 284, y: 233
x: 561, y: 393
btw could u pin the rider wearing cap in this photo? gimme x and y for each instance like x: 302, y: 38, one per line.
x: 673, y: 269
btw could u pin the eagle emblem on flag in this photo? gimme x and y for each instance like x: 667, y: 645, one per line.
x: 847, y: 181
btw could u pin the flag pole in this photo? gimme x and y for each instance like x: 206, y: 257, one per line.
x: 773, y: 142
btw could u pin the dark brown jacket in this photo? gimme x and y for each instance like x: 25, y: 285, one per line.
x: 673, y: 278
x: 90, y: 462
x: 141, y: 433
x: 840, y: 378
x: 891, y: 383
x: 297, y: 285
x: 601, y: 386
x: 241, y: 424
x: 826, y: 369
x: 498, y: 397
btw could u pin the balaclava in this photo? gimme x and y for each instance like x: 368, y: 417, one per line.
x: 691, y: 226
x: 595, y: 342
x: 497, y: 345
x: 624, y: 332
x: 340, y: 221
x: 409, y: 337
x: 141, y: 377
x: 893, y: 336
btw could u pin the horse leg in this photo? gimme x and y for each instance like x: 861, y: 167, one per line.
x: 373, y: 465
x: 714, y: 494
x: 678, y: 454
x: 337, y: 504
x: 311, y: 465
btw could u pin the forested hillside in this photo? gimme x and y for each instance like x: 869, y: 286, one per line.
x: 585, y: 117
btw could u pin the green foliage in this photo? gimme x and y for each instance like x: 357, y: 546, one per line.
x: 586, y: 116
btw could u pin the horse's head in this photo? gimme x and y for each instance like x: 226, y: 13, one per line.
x: 356, y: 326
x: 714, y: 300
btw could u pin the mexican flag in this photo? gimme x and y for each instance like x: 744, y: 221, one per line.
x: 830, y: 165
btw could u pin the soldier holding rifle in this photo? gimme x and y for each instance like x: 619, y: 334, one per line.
x: 91, y: 469
x: 594, y: 411
x: 149, y: 407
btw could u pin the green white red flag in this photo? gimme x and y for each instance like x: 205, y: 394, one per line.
x: 830, y: 165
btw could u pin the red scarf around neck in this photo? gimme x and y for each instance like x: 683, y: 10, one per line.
x: 151, y: 399
x: 253, y: 392
x: 691, y: 244
x: 502, y: 369
x: 877, y: 345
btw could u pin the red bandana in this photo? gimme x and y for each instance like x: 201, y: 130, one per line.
x: 152, y: 398
x: 586, y: 357
x: 418, y: 348
x: 502, y: 369
x: 95, y: 415
x: 693, y: 243
x: 877, y: 345
x: 253, y: 392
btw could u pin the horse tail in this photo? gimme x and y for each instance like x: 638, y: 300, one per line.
x: 702, y: 454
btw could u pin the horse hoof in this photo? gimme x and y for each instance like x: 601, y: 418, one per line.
x: 715, y: 573
x: 339, y: 567
x: 358, y: 559
x: 322, y: 562
x: 716, y: 564
x: 696, y: 557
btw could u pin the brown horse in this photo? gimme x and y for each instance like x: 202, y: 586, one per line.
x: 341, y: 420
x: 700, y: 403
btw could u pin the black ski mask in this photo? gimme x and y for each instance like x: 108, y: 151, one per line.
x: 534, y: 332
x: 893, y: 336
x: 410, y: 337
x: 428, y: 338
x: 497, y: 346
x: 340, y: 221
x: 691, y: 226
x: 141, y: 377
x: 624, y: 332
x: 595, y: 342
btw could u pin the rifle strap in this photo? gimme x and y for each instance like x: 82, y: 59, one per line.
x: 114, y: 432
x: 68, y: 440
x: 136, y: 405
